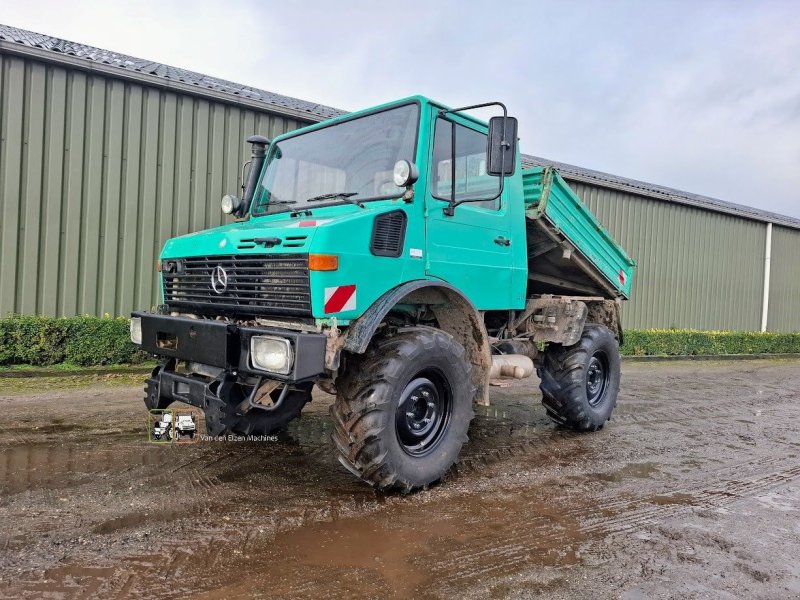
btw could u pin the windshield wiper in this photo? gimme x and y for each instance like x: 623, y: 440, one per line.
x: 282, y: 202
x: 347, y: 196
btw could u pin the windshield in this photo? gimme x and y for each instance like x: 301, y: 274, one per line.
x: 350, y: 161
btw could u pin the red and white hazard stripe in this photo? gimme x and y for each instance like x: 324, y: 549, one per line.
x: 340, y: 298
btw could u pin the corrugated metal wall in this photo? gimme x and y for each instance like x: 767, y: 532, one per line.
x: 696, y: 268
x: 784, y: 280
x: 96, y: 173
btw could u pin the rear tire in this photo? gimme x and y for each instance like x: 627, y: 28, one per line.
x: 403, y: 409
x: 580, y: 383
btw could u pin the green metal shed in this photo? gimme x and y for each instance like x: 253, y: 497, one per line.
x: 104, y: 156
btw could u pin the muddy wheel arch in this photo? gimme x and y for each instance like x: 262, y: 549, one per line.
x: 454, y: 314
x: 606, y: 312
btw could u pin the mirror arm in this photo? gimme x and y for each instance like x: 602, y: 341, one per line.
x: 450, y: 209
x: 241, y: 176
x: 444, y: 111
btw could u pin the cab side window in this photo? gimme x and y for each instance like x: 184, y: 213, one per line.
x: 459, y: 170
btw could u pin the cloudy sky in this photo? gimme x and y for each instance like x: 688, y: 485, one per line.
x: 703, y: 96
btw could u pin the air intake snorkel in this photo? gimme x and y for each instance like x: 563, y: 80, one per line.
x: 259, y: 145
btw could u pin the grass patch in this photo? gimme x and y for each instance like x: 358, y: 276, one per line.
x: 18, y: 386
x: 689, y: 342
x: 68, y: 368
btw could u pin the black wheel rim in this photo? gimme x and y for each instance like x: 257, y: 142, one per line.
x: 423, y: 413
x: 597, y: 375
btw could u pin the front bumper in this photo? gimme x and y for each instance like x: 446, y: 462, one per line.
x: 227, y: 346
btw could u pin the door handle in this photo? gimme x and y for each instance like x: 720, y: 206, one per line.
x: 501, y: 241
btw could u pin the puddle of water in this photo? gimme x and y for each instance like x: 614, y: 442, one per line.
x: 365, y: 544
x: 135, y: 519
x: 427, y: 539
x: 457, y: 539
x: 56, y: 427
x: 52, y: 466
x: 64, y: 582
x: 644, y: 470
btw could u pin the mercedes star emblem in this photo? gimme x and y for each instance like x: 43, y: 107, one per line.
x: 219, y: 280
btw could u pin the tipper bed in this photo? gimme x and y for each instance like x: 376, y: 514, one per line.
x: 569, y: 251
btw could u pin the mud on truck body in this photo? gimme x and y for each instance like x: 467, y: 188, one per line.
x: 398, y: 258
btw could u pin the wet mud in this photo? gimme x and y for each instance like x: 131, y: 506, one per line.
x: 691, y: 491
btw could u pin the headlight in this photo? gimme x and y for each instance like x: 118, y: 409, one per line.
x: 271, y: 354
x: 136, y: 330
x: 405, y: 173
x: 230, y: 204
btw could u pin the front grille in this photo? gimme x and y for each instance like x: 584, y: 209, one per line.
x: 257, y: 284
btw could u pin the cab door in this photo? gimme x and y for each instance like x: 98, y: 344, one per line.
x: 472, y: 249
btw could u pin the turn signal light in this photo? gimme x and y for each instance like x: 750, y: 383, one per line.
x: 323, y: 262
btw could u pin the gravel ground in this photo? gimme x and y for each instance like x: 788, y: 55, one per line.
x: 691, y: 491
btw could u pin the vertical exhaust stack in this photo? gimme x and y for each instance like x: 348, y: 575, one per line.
x: 259, y: 145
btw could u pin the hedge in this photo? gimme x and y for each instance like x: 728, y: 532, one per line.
x: 90, y: 341
x: 689, y: 342
x: 82, y: 341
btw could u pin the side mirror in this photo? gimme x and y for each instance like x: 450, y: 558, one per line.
x: 501, y: 152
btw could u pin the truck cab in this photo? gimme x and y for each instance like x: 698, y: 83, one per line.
x: 405, y: 228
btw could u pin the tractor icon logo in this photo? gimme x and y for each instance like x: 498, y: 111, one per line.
x: 168, y: 426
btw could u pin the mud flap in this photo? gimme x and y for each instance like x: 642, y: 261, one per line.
x: 152, y: 395
x: 217, y: 405
x: 165, y: 387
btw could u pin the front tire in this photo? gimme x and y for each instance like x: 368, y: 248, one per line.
x: 259, y: 422
x: 580, y: 383
x: 403, y: 409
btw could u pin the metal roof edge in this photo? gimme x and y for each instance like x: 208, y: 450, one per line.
x: 662, y: 193
x: 94, y: 66
x: 571, y: 172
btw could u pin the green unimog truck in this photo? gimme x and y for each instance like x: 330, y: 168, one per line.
x: 398, y: 258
